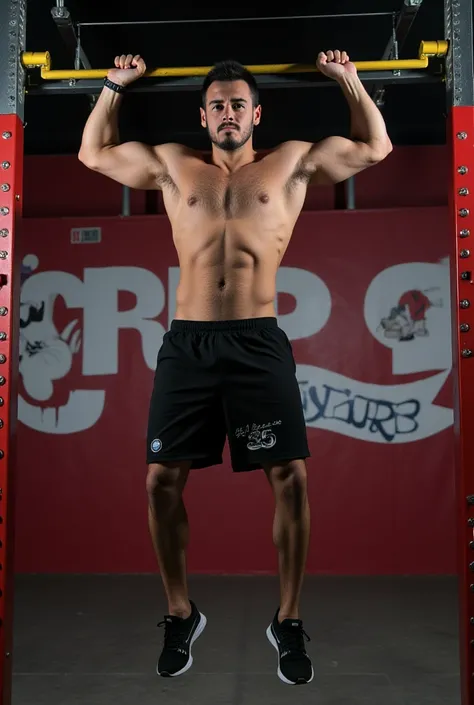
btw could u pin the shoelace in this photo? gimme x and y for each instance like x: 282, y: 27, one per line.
x: 292, y: 641
x: 174, y: 634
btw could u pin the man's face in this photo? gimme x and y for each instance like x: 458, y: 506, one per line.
x: 229, y: 115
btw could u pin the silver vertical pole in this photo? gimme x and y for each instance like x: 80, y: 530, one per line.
x: 458, y: 17
x: 125, y: 200
x: 350, y: 193
x: 12, y: 43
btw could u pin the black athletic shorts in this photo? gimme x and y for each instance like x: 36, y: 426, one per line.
x: 218, y: 378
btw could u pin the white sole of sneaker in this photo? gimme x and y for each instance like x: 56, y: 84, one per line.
x: 272, y: 641
x: 196, y: 635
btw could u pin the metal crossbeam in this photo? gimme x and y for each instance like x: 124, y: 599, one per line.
x: 194, y: 83
x: 233, y: 20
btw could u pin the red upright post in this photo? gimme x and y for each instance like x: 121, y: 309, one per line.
x: 459, y: 27
x: 11, y: 180
x: 12, y: 94
x: 461, y: 138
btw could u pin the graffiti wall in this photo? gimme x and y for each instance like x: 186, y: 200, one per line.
x: 364, y: 299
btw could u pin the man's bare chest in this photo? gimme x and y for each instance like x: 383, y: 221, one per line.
x: 249, y: 192
x: 235, y: 196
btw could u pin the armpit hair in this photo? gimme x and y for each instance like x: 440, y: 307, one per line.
x: 301, y: 174
x: 165, y: 180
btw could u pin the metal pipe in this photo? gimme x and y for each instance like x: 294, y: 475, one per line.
x: 350, y: 194
x: 125, y: 200
x: 237, y: 19
x: 427, y: 49
x: 65, y: 74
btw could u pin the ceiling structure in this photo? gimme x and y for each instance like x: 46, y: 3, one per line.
x: 415, y: 112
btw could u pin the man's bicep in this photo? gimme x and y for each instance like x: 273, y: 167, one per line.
x: 132, y: 164
x: 336, y: 159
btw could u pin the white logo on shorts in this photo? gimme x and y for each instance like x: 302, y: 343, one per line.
x: 156, y: 445
x: 259, y: 435
x: 261, y: 439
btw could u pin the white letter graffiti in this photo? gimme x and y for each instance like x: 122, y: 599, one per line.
x: 46, y: 355
x: 103, y: 320
x: 313, y: 302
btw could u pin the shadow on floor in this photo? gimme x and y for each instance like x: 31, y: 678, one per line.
x: 374, y: 641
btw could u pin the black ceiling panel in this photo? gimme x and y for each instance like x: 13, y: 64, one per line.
x: 415, y: 114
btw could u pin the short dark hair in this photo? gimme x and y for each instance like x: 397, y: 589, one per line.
x: 230, y: 70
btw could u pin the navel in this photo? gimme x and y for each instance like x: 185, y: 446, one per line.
x: 221, y: 284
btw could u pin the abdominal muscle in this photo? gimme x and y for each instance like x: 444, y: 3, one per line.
x: 227, y: 275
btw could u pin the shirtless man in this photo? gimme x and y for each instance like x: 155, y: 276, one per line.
x: 225, y: 367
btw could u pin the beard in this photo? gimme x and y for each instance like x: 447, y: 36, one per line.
x: 230, y: 141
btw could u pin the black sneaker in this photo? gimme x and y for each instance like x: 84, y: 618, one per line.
x: 180, y: 635
x: 294, y: 665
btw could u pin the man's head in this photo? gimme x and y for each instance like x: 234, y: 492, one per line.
x: 230, y: 105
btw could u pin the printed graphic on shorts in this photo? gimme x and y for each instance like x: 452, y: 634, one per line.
x: 259, y: 435
x: 156, y: 445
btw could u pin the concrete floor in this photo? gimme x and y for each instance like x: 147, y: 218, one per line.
x: 375, y: 641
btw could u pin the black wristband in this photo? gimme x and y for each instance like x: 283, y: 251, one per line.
x: 114, y: 86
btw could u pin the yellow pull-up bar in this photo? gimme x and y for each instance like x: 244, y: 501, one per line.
x: 427, y: 49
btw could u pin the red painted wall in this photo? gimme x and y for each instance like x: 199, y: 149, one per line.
x: 56, y: 186
x: 381, y: 481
